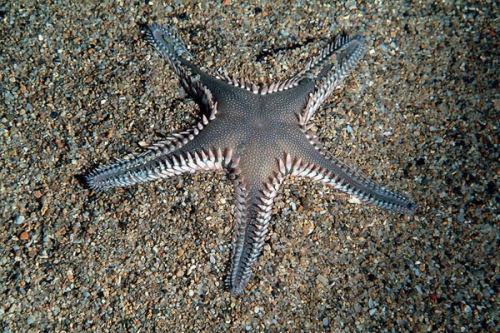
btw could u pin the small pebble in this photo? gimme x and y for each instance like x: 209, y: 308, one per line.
x: 31, y: 320
x: 307, y: 229
x: 351, y: 4
x: 323, y: 280
x: 19, y: 220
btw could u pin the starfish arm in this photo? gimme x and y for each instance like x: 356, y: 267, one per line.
x: 170, y: 46
x: 157, y: 162
x: 330, y: 170
x: 352, y: 52
x: 251, y: 226
x: 160, y: 160
x: 319, y: 63
x: 360, y: 188
x: 192, y: 79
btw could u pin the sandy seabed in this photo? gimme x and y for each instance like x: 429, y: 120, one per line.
x: 80, y: 86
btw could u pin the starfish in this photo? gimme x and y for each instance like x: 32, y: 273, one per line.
x: 258, y: 135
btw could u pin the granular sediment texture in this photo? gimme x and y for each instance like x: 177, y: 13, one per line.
x: 80, y: 86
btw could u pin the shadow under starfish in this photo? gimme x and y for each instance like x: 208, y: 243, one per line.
x: 258, y: 135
